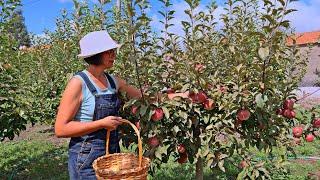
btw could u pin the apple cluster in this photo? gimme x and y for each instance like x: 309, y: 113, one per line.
x: 287, y: 110
x: 299, y: 130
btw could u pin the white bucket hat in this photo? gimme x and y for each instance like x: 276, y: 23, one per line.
x: 96, y: 42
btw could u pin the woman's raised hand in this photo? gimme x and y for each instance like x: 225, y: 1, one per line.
x: 110, y: 122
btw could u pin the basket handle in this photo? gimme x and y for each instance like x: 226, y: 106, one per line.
x: 139, y: 139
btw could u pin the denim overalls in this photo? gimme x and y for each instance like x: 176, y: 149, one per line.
x: 85, y: 149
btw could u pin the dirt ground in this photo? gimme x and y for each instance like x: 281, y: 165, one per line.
x: 40, y: 132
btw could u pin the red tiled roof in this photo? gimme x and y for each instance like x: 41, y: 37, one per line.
x: 305, y: 38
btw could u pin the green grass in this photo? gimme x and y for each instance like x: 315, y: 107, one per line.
x: 300, y: 171
x: 309, y: 149
x: 299, y: 168
x: 32, y: 160
x: 40, y: 159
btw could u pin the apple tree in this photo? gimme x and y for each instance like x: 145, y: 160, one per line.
x: 236, y: 77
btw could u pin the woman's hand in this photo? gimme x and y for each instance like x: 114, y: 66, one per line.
x: 110, y: 122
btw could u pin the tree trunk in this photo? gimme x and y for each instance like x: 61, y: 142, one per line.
x: 199, y: 165
x: 199, y: 169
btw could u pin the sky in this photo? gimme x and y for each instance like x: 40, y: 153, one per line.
x: 41, y: 14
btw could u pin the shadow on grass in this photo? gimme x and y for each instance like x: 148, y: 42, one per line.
x: 33, y: 160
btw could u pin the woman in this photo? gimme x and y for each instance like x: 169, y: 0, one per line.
x: 89, y: 106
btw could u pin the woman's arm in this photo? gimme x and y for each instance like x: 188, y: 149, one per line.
x: 131, y: 91
x: 69, y: 105
x: 136, y: 93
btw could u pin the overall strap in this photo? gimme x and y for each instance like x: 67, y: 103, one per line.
x: 89, y: 84
x: 111, y: 81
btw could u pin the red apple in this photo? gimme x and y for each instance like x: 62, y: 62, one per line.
x: 297, y: 131
x: 288, y: 104
x: 157, y: 115
x: 200, y: 97
x: 170, y: 91
x: 199, y: 67
x: 243, y: 114
x: 181, y: 149
x: 292, y: 114
x: 137, y: 124
x: 134, y: 110
x: 309, y: 138
x: 243, y: 164
x: 316, y: 123
x: 193, y: 96
x: 289, y: 114
x: 209, y: 104
x: 183, y: 158
x: 153, y: 141
x: 223, y: 89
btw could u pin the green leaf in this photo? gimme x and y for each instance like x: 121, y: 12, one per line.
x: 176, y: 129
x: 209, y: 162
x: 264, y: 170
x: 160, y: 12
x: 166, y: 112
x: 171, y: 12
x: 223, y: 156
x: 220, y: 165
x: 261, y: 100
x: 158, y: 154
x: 206, y: 119
x: 210, y: 127
x: 185, y: 87
x: 183, y: 114
x: 285, y: 23
x: 290, y: 11
x: 143, y: 110
x: 185, y: 24
x: 239, y: 67
x: 242, y: 175
x: 232, y: 49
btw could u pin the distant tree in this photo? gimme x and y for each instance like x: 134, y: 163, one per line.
x: 19, y: 29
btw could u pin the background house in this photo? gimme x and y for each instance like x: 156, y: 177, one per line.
x: 305, y: 41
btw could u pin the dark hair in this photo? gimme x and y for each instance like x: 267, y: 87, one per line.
x: 94, y: 60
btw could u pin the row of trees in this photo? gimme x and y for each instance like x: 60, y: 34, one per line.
x: 237, y: 75
x: 12, y: 110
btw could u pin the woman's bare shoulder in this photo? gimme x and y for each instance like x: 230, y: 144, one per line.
x: 74, y: 85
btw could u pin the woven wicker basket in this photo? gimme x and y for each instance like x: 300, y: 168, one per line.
x: 122, y: 166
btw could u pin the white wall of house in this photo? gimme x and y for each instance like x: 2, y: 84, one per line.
x: 310, y: 79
